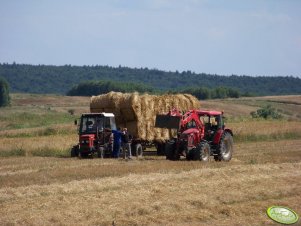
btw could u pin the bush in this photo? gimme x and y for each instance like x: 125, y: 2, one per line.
x: 266, y: 112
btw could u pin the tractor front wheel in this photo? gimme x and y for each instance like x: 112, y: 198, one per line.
x: 75, y: 151
x: 170, y: 151
x: 203, y: 152
x: 225, y: 148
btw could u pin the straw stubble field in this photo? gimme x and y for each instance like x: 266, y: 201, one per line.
x: 265, y: 170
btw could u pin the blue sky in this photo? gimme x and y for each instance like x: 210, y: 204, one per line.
x: 243, y: 37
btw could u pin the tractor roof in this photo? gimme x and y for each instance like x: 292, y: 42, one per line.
x: 207, y: 112
x: 99, y: 114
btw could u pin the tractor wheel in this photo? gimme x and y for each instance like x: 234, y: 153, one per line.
x: 74, y: 151
x: 84, y: 155
x: 202, y: 152
x: 225, y: 149
x: 138, y: 150
x: 170, y: 151
x: 189, y: 156
x: 100, y: 153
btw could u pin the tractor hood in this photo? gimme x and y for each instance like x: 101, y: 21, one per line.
x: 87, y: 136
x: 190, y: 131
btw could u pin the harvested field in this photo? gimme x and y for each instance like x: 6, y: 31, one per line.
x: 58, y: 190
x: 152, y: 191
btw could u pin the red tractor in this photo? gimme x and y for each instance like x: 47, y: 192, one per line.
x: 201, y: 134
x: 94, y: 136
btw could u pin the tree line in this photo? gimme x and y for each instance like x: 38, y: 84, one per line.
x: 60, y: 79
x: 90, y: 88
x: 220, y: 92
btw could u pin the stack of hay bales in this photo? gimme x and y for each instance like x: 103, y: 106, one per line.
x: 138, y: 112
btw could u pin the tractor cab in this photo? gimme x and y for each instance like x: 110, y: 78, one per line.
x: 94, y: 135
x: 213, y: 123
x: 92, y: 123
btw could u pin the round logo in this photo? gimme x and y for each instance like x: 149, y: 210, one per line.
x: 282, y: 215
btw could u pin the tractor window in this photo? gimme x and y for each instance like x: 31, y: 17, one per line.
x: 204, y: 119
x: 112, y: 123
x: 191, y: 124
x: 213, y: 121
x: 90, y: 124
x: 220, y: 121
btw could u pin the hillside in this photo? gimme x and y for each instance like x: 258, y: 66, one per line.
x: 60, y: 79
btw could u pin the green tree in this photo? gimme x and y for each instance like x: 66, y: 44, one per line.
x: 220, y: 92
x: 201, y: 93
x: 4, y: 93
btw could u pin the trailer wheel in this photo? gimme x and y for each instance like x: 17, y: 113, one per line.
x: 74, y: 151
x: 202, y: 152
x: 160, y: 148
x: 225, y: 149
x: 100, y: 152
x: 138, y: 150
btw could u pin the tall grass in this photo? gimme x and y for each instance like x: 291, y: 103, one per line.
x: 21, y: 120
x: 64, y: 129
x: 52, y: 145
x: 265, y: 130
x: 267, y: 137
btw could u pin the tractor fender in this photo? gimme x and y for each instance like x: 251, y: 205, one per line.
x: 219, y: 134
x: 229, y: 131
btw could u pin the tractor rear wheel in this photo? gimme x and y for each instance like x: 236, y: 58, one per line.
x: 202, y: 152
x: 225, y: 149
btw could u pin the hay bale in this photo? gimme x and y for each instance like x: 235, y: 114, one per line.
x: 138, y: 112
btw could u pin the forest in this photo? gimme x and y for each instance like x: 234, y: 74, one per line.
x: 27, y: 78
